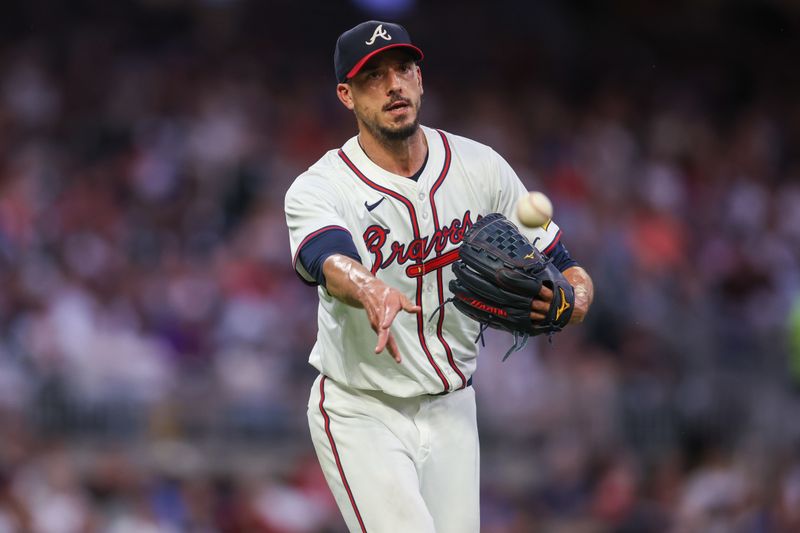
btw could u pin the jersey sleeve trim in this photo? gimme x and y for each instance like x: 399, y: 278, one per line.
x: 553, y: 243
x: 304, y: 242
x: 561, y: 258
x: 323, y: 245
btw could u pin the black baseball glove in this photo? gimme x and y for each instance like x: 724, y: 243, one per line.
x: 499, y: 273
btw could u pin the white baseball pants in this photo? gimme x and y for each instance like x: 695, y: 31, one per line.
x: 398, y: 465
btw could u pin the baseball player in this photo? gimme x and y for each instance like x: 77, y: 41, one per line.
x: 375, y: 225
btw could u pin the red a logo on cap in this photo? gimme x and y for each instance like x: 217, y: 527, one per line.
x: 379, y: 32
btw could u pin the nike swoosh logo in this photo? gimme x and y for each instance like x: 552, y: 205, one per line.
x: 370, y: 207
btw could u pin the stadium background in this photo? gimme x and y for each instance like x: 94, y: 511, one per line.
x: 153, y: 338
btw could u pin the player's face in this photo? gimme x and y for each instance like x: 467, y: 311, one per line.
x: 386, y: 95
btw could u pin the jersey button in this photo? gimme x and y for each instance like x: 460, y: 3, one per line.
x: 424, y: 215
x: 422, y: 197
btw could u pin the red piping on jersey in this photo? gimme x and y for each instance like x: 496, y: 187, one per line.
x: 415, y: 228
x: 439, y: 283
x: 336, y: 452
x: 303, y: 243
x: 553, y: 244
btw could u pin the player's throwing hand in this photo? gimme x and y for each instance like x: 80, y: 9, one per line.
x: 352, y: 283
x: 382, y: 303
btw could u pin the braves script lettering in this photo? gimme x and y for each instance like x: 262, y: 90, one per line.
x: 375, y: 238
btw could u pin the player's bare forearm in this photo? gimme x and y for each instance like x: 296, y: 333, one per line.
x: 350, y: 282
x: 584, y: 292
x: 346, y: 278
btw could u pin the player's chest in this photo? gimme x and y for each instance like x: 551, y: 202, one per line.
x: 414, y: 223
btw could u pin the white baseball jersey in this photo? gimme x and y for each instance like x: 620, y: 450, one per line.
x: 407, y: 232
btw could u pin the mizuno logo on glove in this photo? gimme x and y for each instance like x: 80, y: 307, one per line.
x: 564, y: 304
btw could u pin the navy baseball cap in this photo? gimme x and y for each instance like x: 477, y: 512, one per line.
x: 355, y: 46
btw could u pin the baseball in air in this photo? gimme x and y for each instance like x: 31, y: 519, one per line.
x: 534, y: 209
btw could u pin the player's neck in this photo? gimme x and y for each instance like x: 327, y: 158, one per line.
x: 402, y: 157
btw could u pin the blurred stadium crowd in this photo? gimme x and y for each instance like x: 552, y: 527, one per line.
x: 153, y: 371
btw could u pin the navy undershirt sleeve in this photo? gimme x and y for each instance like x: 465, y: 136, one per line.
x: 561, y: 258
x: 314, y: 253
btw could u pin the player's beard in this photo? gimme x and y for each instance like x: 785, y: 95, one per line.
x: 400, y: 134
x: 389, y: 134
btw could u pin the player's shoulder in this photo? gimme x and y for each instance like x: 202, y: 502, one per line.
x: 475, y: 158
x: 459, y: 141
x: 318, y: 178
x: 327, y: 167
x: 465, y: 147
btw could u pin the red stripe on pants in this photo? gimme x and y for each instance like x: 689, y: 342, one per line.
x: 336, y: 453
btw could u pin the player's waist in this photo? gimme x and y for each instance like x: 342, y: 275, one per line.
x: 370, y: 390
x: 467, y: 384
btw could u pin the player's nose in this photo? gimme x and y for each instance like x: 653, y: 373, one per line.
x: 394, y: 80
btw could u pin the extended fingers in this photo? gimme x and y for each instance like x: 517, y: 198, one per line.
x: 382, y: 320
x: 383, y: 338
x: 391, y: 307
x: 409, y: 307
x: 386, y: 340
x: 393, y: 349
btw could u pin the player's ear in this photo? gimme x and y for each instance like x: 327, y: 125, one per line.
x: 419, y: 80
x: 345, y: 94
